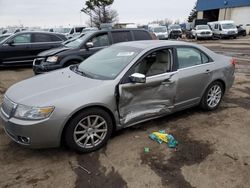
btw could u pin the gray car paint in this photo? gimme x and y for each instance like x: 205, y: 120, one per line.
x: 69, y: 92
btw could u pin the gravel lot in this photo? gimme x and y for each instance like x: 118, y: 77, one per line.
x: 213, y: 146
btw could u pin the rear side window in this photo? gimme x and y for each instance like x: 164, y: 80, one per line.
x: 40, y: 37
x: 141, y: 35
x: 121, y: 36
x: 188, y: 57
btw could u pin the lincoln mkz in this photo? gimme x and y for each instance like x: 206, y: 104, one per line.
x: 120, y: 86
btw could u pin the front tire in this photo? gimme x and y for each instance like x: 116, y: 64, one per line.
x: 89, y: 130
x: 212, y: 97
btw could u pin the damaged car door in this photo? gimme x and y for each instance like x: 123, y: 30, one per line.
x: 148, y: 89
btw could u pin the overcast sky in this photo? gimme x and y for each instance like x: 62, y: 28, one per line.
x: 51, y: 13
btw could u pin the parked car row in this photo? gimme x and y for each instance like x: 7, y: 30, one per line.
x: 163, y: 33
x: 217, y: 30
x: 27, y: 48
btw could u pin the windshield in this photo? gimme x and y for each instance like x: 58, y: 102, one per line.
x: 175, y: 27
x: 3, y: 37
x: 201, y: 27
x: 228, y: 26
x: 160, y: 29
x: 76, y: 41
x: 109, y: 62
x: 62, y: 30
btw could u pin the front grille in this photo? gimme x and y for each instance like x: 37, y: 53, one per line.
x: 38, y: 61
x: 203, y: 33
x: 161, y: 36
x: 208, y: 32
x: 176, y: 32
x: 7, y: 107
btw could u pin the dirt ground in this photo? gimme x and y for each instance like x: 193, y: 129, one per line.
x: 213, y: 146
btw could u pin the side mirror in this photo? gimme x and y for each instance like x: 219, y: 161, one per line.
x: 138, y: 78
x: 10, y: 42
x: 89, y: 45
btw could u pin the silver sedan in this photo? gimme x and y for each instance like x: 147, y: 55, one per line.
x: 125, y: 84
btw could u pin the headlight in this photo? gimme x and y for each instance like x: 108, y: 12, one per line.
x: 52, y: 59
x: 33, y: 113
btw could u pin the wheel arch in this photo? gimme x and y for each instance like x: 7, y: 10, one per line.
x: 216, y: 80
x: 222, y: 82
x: 85, y: 108
x: 71, y: 58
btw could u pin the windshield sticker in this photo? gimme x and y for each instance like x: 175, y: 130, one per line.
x: 125, y: 54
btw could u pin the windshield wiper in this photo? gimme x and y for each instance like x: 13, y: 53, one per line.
x: 82, y: 73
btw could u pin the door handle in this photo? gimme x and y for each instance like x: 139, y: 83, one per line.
x: 168, y: 81
x: 207, y: 71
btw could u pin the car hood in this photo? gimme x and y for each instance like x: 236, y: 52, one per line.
x: 161, y: 33
x: 44, y: 90
x: 52, y: 51
x: 234, y: 29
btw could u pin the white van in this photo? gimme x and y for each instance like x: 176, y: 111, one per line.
x: 224, y: 29
x: 161, y: 32
x: 75, y: 31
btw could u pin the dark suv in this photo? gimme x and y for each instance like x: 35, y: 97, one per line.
x: 77, y: 49
x: 22, y: 48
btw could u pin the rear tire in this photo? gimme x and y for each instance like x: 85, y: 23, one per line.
x: 212, y: 96
x: 89, y: 130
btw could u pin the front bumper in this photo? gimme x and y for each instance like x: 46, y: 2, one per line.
x: 162, y: 37
x: 205, y: 36
x: 175, y: 35
x: 40, y: 66
x: 38, y: 134
x: 229, y: 35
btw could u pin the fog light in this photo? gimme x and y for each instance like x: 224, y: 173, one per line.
x: 23, y: 139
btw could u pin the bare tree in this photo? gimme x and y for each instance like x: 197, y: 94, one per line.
x: 193, y: 13
x: 100, y: 12
x: 165, y: 22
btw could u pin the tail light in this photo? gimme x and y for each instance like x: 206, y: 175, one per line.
x: 233, y: 61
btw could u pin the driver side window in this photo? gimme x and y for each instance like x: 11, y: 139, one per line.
x: 158, y: 62
x: 22, y: 39
x: 100, y: 40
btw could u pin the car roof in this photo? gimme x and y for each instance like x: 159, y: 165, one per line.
x: 41, y: 32
x: 6, y: 34
x: 125, y: 29
x: 148, y: 44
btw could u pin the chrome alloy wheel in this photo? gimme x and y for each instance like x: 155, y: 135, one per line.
x: 90, y: 131
x: 214, y: 96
